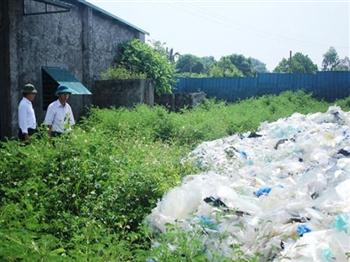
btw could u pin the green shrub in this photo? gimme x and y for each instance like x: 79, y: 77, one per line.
x: 139, y: 57
x: 344, y: 103
x: 121, y: 73
x: 191, y: 75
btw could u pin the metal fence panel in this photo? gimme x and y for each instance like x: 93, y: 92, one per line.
x: 323, y: 85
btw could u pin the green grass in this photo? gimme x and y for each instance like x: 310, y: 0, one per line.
x: 84, y: 197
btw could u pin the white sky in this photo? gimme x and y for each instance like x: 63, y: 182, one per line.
x: 263, y: 29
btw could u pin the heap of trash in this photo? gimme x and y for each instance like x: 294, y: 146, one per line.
x: 282, y: 192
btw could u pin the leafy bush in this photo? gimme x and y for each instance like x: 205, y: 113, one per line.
x: 191, y: 75
x: 121, y: 73
x: 85, y: 195
x: 344, y: 103
x: 139, y: 57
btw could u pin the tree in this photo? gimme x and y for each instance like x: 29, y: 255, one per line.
x: 161, y: 48
x: 330, y: 60
x: 242, y: 63
x: 139, y: 57
x: 258, y: 66
x: 224, y: 68
x: 299, y: 63
x: 189, y: 63
x: 208, y: 62
x: 158, y: 46
x: 343, y: 65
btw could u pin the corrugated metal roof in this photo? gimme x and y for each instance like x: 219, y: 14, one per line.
x: 112, y: 16
x: 64, y: 77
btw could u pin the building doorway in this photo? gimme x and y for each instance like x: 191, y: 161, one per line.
x: 49, y: 89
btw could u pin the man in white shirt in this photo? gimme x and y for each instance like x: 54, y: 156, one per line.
x: 26, y: 114
x: 59, y: 116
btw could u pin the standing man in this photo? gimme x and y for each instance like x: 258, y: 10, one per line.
x: 26, y: 114
x: 59, y: 116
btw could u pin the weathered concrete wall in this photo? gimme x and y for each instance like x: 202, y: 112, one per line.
x: 14, y: 9
x: 106, y: 35
x: 83, y: 41
x: 5, y: 107
x: 189, y: 100
x: 166, y: 100
x: 122, y: 93
x: 175, y: 102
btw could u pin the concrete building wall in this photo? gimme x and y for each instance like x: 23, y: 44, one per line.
x: 13, y: 10
x: 178, y: 101
x: 106, y: 36
x: 5, y: 107
x: 123, y: 93
x: 83, y: 41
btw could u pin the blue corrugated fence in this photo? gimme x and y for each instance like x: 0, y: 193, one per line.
x: 324, y: 85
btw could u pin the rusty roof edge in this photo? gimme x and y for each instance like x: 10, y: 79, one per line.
x: 112, y: 16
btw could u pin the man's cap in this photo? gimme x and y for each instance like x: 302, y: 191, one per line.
x: 61, y: 89
x: 29, y: 89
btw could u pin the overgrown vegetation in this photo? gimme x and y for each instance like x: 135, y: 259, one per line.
x: 138, y: 60
x: 83, y: 197
x: 139, y: 57
x: 121, y: 73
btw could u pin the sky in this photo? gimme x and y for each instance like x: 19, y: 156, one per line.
x: 264, y: 29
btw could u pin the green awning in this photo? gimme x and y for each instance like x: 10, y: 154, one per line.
x: 64, y: 77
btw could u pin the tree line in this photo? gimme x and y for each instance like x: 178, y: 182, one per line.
x: 238, y: 65
x: 160, y: 64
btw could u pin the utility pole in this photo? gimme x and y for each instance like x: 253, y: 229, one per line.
x: 290, y: 61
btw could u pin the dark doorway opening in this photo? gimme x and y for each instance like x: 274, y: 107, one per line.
x: 49, y: 89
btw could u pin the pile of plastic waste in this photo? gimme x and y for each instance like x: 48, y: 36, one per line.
x: 282, y: 192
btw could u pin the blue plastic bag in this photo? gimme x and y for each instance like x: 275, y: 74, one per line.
x: 207, y: 222
x: 263, y: 191
x: 302, y: 229
x: 341, y: 223
x: 327, y: 255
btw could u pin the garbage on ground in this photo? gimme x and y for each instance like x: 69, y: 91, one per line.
x: 282, y: 192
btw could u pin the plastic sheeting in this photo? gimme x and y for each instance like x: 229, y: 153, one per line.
x: 282, y: 193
